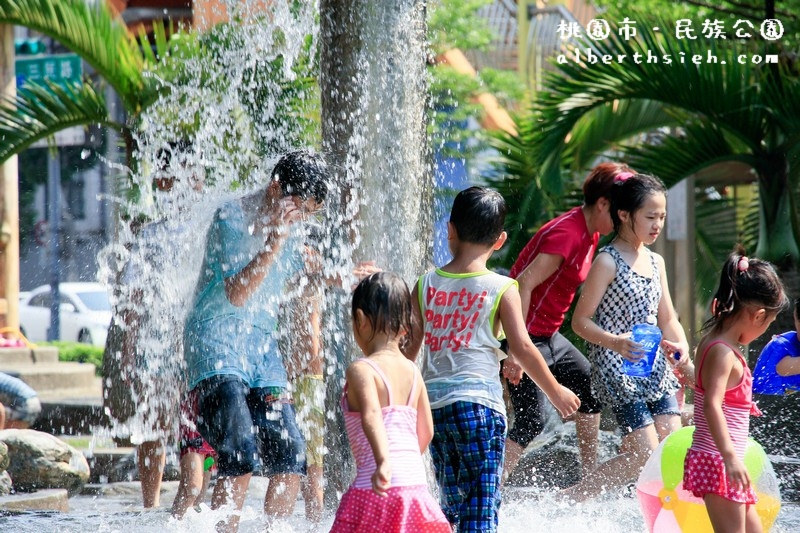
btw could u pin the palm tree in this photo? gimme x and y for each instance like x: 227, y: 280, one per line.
x: 92, y: 31
x: 673, y: 121
x: 677, y: 120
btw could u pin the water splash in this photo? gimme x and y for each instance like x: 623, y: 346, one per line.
x: 221, y: 120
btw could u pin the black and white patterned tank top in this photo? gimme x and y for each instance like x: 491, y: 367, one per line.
x: 628, y: 300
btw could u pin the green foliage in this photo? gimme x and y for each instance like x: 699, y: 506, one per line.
x: 452, y: 95
x: 456, y: 24
x: 78, y: 353
x: 728, y: 11
x: 90, y: 30
x: 671, y: 120
x: 505, y: 85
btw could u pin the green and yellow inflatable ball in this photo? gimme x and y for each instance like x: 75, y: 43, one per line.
x: 669, y: 508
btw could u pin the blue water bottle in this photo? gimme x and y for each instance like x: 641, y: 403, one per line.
x: 649, y: 336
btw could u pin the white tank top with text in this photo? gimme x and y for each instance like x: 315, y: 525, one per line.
x: 461, y: 349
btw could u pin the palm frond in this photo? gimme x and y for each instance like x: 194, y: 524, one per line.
x: 727, y: 95
x: 605, y: 127
x: 90, y: 30
x: 41, y: 110
x: 674, y: 156
x: 748, y: 233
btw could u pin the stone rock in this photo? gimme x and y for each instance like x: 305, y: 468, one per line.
x: 6, y: 486
x: 3, y: 457
x: 41, y: 461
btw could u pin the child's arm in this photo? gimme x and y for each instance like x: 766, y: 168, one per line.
x: 414, y: 338
x: 424, y: 417
x: 600, y: 277
x: 304, y: 357
x: 529, y: 356
x: 788, y: 365
x: 362, y: 396
x: 718, y: 366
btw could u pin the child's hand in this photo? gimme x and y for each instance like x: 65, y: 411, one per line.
x: 677, y: 355
x: 512, y: 371
x: 737, y: 473
x: 566, y: 403
x: 275, y: 223
x: 627, y: 348
x: 381, y: 479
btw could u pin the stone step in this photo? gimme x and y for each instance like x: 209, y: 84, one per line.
x: 41, y: 500
x: 45, y: 354
x: 39, y: 354
x: 44, y: 377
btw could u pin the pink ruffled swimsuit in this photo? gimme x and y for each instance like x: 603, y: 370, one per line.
x: 704, y: 469
x: 409, y: 506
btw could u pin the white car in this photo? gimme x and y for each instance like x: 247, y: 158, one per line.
x: 85, y: 313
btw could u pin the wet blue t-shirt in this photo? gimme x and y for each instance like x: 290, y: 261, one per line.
x: 222, y: 339
x: 765, y: 378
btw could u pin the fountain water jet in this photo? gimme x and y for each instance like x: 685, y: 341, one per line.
x: 374, y: 84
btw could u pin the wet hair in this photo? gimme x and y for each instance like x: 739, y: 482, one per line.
x: 629, y: 193
x: 600, y: 181
x: 478, y: 215
x: 164, y: 156
x: 746, y: 281
x: 385, y: 300
x: 302, y: 173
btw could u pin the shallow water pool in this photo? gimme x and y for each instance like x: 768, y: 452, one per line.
x: 524, y: 509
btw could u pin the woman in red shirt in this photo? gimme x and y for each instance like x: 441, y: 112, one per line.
x: 549, y: 270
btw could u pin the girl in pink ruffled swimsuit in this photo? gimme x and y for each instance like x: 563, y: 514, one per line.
x: 388, y: 420
x: 749, y: 297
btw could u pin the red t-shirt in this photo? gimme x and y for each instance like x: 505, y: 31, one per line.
x: 568, y: 236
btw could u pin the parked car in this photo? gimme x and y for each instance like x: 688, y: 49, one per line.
x: 85, y: 313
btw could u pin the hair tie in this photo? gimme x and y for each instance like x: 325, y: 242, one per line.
x: 623, y: 176
x: 743, y: 264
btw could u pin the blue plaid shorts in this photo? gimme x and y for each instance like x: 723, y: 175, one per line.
x: 467, y: 451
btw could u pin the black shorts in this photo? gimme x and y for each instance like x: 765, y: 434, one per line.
x: 570, y: 368
x: 252, y: 430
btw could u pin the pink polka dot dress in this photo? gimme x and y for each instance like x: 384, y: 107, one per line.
x: 408, y: 505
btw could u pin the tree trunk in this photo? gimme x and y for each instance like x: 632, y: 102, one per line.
x: 374, y: 84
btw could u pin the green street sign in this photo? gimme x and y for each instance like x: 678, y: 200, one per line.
x: 64, y: 69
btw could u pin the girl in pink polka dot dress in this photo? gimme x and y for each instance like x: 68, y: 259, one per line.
x: 388, y: 419
x: 749, y: 297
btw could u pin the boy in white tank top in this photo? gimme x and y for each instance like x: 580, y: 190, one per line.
x: 462, y: 310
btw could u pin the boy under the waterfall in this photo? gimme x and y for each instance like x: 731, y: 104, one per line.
x: 253, y: 250
x: 231, y: 351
